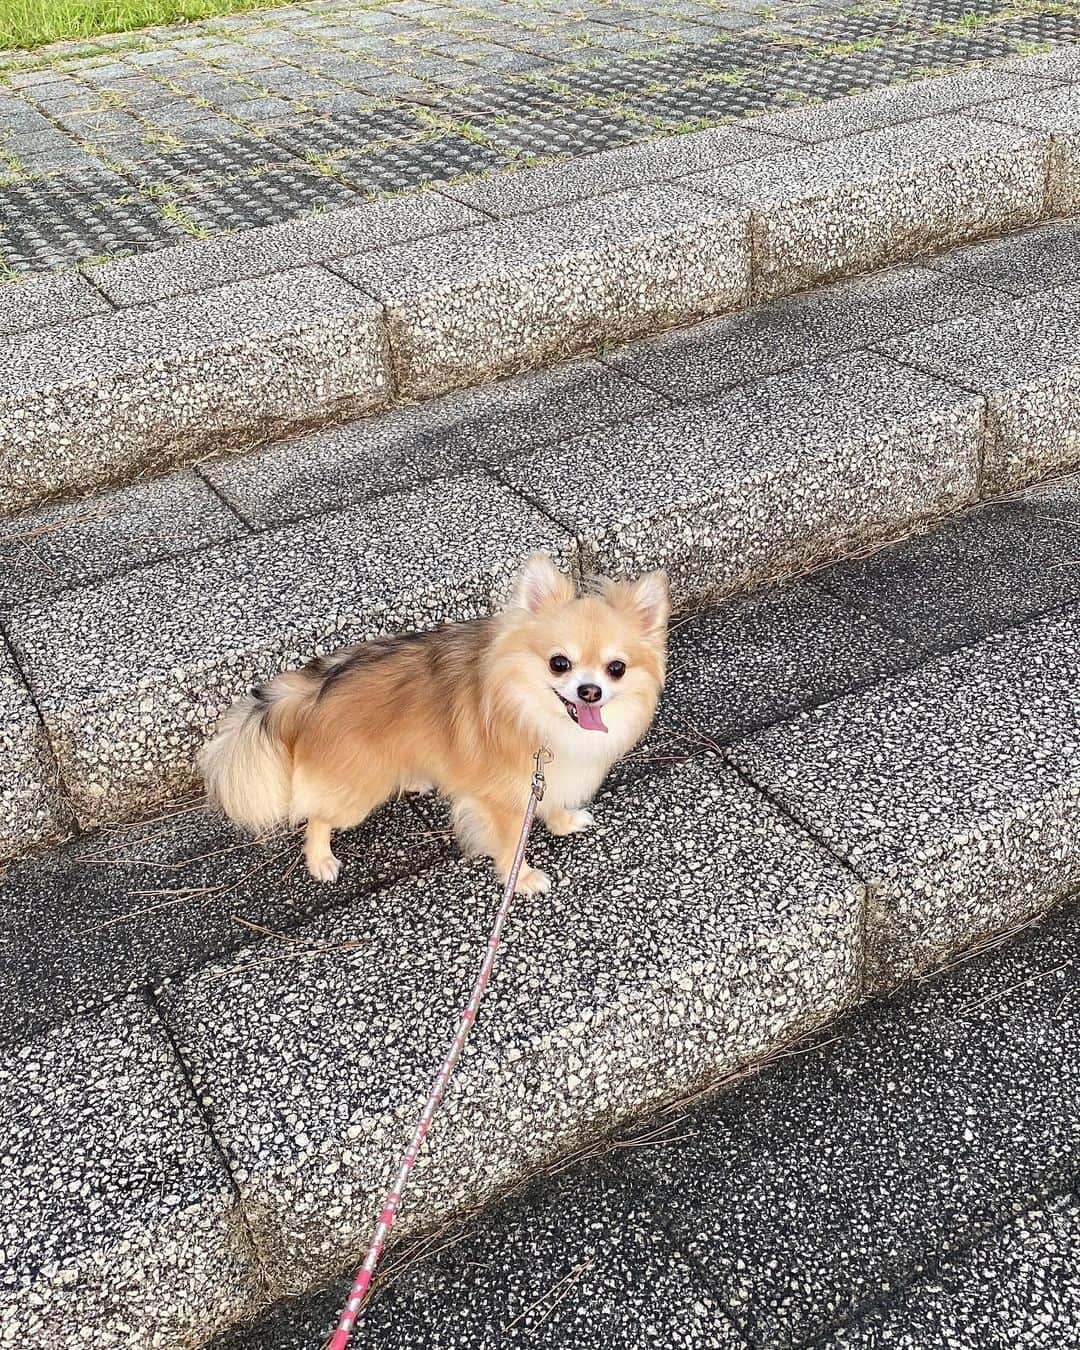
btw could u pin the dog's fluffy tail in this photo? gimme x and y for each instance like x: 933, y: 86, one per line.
x: 247, y: 765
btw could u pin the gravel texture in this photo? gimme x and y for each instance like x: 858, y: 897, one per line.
x: 1018, y: 264
x: 674, y: 946
x: 442, y: 438
x: 1015, y: 1287
x: 58, y: 548
x: 119, y: 1218
x: 699, y: 362
x: 517, y: 293
x: 849, y: 206
x: 47, y: 301
x: 114, y: 911
x: 31, y: 809
x: 1002, y: 564
x: 202, y: 265
x: 110, y: 396
x: 762, y: 481
x: 1056, y: 111
x: 951, y: 791
x: 132, y: 674
x: 1025, y: 359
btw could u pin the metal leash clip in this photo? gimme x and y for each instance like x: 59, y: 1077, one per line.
x: 543, y: 756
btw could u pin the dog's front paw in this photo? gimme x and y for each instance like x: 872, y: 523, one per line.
x: 531, y: 881
x: 325, y: 868
x: 571, y: 822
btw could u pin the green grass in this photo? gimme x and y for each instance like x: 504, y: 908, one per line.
x: 32, y: 23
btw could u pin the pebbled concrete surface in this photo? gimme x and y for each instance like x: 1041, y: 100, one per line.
x: 120, y: 1221
x: 909, y: 1182
x: 326, y: 470
x: 114, y: 912
x: 951, y: 790
x: 54, y: 549
x: 510, y: 295
x: 631, y: 981
x: 114, y: 395
x: 1025, y: 359
x: 762, y: 482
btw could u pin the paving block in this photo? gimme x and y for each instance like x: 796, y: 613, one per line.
x: 31, y: 809
x: 58, y: 548
x: 694, y: 930
x: 45, y: 301
x: 1019, y: 264
x: 631, y: 166
x: 132, y: 674
x: 926, y: 1122
x: 406, y: 446
x: 519, y: 293
x: 763, y: 481
x: 1059, y: 65
x: 203, y: 265
x: 527, y: 1285
x: 753, y: 661
x: 108, y: 396
x: 1017, y: 1286
x: 1025, y: 359
x: 116, y: 911
x: 953, y: 791
x: 121, y: 1228
x: 907, y: 102
x: 699, y: 362
x: 886, y: 196
x: 1002, y: 564
x: 1057, y: 111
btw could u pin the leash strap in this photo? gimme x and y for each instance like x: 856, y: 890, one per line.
x: 347, y: 1321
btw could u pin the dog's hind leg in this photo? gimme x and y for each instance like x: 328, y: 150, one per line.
x: 321, y: 862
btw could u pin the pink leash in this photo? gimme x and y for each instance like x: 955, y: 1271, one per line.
x: 347, y: 1321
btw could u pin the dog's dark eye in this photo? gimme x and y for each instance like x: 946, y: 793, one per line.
x: 560, y: 664
x: 616, y: 669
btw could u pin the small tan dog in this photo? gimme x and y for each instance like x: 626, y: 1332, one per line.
x: 462, y: 709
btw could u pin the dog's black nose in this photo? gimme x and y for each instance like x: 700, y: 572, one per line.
x: 590, y: 693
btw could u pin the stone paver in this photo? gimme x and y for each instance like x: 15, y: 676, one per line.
x: 908, y: 1184
x: 844, y: 207
x: 440, y: 438
x: 120, y: 1222
x: 951, y: 790
x: 506, y: 296
x: 115, y: 912
x: 31, y: 809
x: 1017, y: 1286
x: 598, y: 1009
x: 767, y: 480
x: 48, y: 551
x: 1004, y: 564
x: 1025, y: 359
x: 1056, y: 111
x: 116, y: 394
x: 139, y: 141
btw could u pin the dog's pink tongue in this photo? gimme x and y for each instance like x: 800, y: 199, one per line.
x: 588, y: 717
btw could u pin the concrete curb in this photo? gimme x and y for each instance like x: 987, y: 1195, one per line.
x: 211, y: 352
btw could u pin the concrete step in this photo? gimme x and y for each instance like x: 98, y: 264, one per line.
x: 832, y: 800
x: 909, y: 1179
x: 155, y: 360
x: 733, y: 453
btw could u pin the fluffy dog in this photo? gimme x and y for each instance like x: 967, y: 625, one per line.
x: 462, y: 709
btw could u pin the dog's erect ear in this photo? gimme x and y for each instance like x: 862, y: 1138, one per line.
x: 540, y: 585
x: 650, y: 599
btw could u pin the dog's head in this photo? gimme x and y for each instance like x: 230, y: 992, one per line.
x: 579, y: 665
